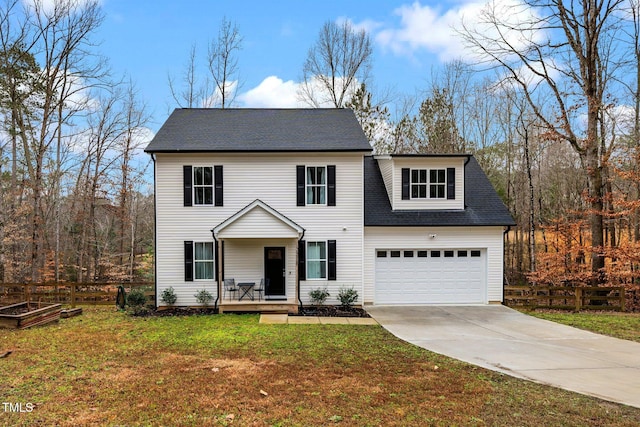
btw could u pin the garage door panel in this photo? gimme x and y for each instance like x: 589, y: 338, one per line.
x: 434, y: 277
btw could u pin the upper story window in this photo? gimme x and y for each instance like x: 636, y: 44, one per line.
x: 203, y: 185
x: 316, y: 185
x: 428, y: 183
x: 437, y: 183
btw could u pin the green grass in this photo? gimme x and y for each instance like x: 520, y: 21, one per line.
x: 106, y: 368
x: 619, y: 325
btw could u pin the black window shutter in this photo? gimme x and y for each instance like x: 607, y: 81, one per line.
x: 300, y: 185
x: 451, y: 183
x: 406, y: 183
x: 187, y: 177
x: 217, y: 179
x: 302, y: 260
x: 331, y: 185
x: 188, y: 261
x: 331, y: 258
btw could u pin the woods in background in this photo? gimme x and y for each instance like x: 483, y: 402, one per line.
x: 74, y: 206
x: 550, y: 108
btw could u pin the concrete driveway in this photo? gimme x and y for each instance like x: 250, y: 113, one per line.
x: 504, y: 340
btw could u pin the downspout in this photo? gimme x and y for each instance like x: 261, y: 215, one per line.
x: 155, y: 234
x: 217, y: 252
x: 464, y: 190
x: 504, y: 233
x: 300, y: 307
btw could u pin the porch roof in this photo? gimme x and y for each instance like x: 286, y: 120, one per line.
x: 257, y: 220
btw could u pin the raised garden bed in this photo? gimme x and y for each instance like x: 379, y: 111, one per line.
x: 26, y: 314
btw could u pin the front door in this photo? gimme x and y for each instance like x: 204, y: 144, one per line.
x: 274, y: 270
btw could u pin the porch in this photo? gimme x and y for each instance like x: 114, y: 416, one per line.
x: 258, y: 261
x: 256, y: 306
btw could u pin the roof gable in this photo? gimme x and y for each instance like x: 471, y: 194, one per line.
x: 260, y: 130
x: 257, y: 220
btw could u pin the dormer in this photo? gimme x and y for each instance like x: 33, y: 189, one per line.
x: 424, y: 181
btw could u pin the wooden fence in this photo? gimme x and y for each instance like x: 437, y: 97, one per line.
x: 566, y: 298
x: 69, y: 293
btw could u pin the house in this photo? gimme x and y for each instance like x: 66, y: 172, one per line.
x: 295, y: 196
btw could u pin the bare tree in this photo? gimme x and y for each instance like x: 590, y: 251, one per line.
x: 563, y: 49
x: 190, y: 92
x: 338, y: 61
x: 223, y: 63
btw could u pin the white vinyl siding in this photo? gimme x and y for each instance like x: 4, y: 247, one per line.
x: 487, y: 239
x: 258, y: 223
x: 386, y: 168
x: 276, y: 187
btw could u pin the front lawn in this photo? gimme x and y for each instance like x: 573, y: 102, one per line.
x: 105, y: 368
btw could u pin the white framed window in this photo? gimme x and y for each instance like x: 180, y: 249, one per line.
x: 316, y: 185
x: 203, y: 185
x: 437, y: 183
x: 428, y: 183
x: 419, y: 183
x: 316, y: 260
x: 203, y: 261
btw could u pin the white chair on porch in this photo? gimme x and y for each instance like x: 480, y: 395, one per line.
x: 230, y: 286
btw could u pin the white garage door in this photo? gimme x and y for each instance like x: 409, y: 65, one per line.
x: 444, y: 276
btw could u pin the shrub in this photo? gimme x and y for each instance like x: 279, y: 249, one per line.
x: 203, y: 296
x: 347, y: 297
x: 169, y: 296
x: 136, y: 301
x: 318, y: 296
x: 136, y: 298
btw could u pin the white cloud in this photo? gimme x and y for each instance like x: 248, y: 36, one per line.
x: 435, y: 30
x: 49, y: 6
x: 368, y: 25
x: 272, y: 92
x: 215, y: 100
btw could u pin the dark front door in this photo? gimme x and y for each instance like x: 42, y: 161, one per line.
x: 274, y: 270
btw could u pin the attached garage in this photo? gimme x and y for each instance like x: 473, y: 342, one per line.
x: 430, y: 276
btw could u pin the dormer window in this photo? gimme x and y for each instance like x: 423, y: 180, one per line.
x: 428, y: 183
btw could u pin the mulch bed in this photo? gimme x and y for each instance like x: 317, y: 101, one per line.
x: 323, y: 311
x: 332, y: 311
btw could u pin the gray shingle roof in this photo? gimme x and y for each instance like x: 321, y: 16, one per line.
x: 483, y: 205
x: 246, y: 129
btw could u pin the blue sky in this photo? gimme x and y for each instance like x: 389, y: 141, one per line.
x: 150, y: 40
